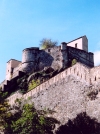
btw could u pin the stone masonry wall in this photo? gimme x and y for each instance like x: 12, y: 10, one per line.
x: 81, y: 56
x: 16, y: 70
x: 95, y: 75
x: 79, y: 71
x: 67, y: 94
x: 51, y: 57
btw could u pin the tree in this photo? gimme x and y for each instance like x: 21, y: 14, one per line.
x: 24, y: 118
x: 47, y: 43
x: 33, y: 121
x: 5, y: 113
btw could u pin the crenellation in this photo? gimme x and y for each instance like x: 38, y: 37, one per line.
x: 58, y: 78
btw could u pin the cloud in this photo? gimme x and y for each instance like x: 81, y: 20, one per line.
x: 97, y: 58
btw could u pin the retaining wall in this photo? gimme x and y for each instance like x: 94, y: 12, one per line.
x: 79, y: 71
x: 66, y: 94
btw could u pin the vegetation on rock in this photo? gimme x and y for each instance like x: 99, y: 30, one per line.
x: 5, y: 113
x: 47, y: 43
x: 33, y: 84
x: 32, y: 121
x: 74, y: 61
x: 25, y: 119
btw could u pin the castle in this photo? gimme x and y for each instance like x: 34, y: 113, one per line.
x: 74, y: 90
x: 57, y: 57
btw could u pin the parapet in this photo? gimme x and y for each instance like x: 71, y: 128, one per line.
x: 31, y: 48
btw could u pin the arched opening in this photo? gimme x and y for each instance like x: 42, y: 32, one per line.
x: 95, y: 78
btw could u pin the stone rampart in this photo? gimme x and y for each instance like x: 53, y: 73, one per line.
x: 95, y: 75
x: 79, y: 71
x: 67, y: 93
x: 13, y: 97
x: 81, y: 56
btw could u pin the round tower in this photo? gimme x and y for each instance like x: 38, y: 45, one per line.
x: 30, y: 59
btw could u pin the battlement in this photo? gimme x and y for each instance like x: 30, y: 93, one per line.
x: 79, y: 71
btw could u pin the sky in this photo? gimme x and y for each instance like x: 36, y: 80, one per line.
x: 24, y: 23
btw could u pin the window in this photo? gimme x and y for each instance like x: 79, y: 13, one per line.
x: 12, y: 70
x: 76, y: 45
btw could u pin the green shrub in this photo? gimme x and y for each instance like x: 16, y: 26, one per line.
x: 33, y: 84
x: 74, y: 61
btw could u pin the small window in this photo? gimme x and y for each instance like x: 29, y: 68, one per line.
x: 12, y: 70
x: 76, y: 45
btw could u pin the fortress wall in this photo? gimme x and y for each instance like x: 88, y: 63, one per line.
x: 95, y: 75
x: 66, y: 94
x: 81, y: 56
x: 51, y: 57
x: 13, y: 97
x: 79, y: 71
x: 38, y: 59
x: 68, y: 97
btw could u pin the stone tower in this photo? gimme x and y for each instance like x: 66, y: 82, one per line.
x: 11, y: 65
x: 30, y: 59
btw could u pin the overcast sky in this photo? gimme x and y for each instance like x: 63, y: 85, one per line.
x: 23, y: 23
